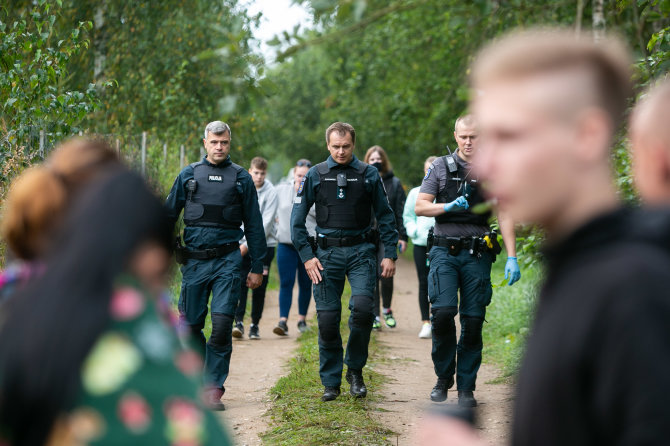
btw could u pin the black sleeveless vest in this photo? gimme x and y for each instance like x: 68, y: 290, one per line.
x: 339, y: 207
x: 451, y: 192
x: 211, y: 197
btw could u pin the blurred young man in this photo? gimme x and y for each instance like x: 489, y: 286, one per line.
x: 598, y: 359
x: 267, y: 202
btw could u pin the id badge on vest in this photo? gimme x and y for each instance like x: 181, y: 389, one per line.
x: 341, y: 186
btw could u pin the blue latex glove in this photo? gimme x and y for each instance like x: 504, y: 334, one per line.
x: 512, y: 270
x: 460, y: 202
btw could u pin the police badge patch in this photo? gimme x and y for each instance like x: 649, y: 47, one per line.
x: 428, y: 172
x: 302, y: 184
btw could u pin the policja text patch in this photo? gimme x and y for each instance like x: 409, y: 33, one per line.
x: 217, y: 178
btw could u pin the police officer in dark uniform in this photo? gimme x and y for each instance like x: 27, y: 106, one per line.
x: 217, y: 197
x: 463, y: 249
x: 345, y: 191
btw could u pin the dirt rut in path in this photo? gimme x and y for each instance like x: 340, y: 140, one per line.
x: 409, y: 369
x: 255, y: 367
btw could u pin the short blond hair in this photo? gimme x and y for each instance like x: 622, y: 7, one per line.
x: 467, y: 120
x: 522, y: 54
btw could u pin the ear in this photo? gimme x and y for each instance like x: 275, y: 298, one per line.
x: 455, y: 138
x: 204, y: 140
x: 593, y: 136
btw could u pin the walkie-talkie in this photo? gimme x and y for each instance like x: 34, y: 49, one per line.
x: 451, y: 162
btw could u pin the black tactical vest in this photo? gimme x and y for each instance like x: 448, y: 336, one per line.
x: 339, y: 206
x: 456, y: 181
x: 212, y: 198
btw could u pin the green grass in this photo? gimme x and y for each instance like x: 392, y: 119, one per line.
x: 509, y: 317
x: 298, y: 416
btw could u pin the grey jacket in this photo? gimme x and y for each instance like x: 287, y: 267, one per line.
x: 285, y: 195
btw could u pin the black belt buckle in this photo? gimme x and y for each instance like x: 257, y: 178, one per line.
x: 211, y: 253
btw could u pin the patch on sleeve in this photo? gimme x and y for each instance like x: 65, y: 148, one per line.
x: 297, y: 200
x: 430, y: 169
x: 302, y: 185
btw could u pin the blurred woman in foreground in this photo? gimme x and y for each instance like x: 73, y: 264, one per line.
x: 37, y: 202
x: 84, y: 355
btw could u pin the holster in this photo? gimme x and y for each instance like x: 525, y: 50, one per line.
x: 431, y: 239
x: 179, y: 251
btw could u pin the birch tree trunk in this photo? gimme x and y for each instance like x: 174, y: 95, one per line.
x: 598, y: 19
x: 99, y: 42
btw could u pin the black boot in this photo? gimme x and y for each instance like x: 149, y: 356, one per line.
x: 357, y: 385
x: 466, y: 399
x: 330, y: 393
x: 439, y: 392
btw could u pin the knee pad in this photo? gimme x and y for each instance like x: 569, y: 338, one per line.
x: 471, y: 332
x: 221, y: 337
x: 329, y: 326
x: 442, y: 320
x: 362, y: 311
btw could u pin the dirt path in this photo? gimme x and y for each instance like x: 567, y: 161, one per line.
x: 254, y: 368
x: 410, y: 370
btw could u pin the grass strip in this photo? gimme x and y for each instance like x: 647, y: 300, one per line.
x: 299, y: 417
x: 509, y: 317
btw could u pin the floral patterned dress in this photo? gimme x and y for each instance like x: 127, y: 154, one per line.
x: 138, y: 385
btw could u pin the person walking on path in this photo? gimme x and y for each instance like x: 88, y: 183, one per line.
x: 417, y: 229
x: 217, y: 197
x: 376, y: 157
x: 288, y: 259
x: 463, y: 250
x: 267, y: 201
x: 345, y: 191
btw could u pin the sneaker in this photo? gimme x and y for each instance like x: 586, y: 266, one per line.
x: 238, y: 330
x: 389, y: 319
x: 426, y: 332
x: 253, y: 332
x: 377, y: 324
x: 302, y: 326
x: 281, y: 329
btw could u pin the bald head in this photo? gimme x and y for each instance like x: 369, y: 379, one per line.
x: 650, y: 138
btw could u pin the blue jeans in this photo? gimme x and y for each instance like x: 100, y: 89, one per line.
x: 472, y: 276
x: 288, y: 264
x: 221, y: 278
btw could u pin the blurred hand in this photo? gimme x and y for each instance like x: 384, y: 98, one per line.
x: 388, y: 268
x: 254, y: 280
x: 460, y: 202
x: 447, y: 431
x: 512, y: 271
x: 314, y: 268
x: 402, y: 246
x: 244, y: 249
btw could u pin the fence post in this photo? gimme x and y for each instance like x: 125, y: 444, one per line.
x: 165, y: 153
x: 42, y: 137
x: 181, y: 157
x: 144, y: 152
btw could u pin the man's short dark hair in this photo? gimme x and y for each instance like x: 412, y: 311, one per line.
x: 342, y: 128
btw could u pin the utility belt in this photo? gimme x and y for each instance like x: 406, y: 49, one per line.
x: 324, y: 242
x: 182, y: 253
x: 475, y: 245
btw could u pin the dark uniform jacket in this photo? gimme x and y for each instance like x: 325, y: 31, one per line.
x: 203, y: 237
x: 396, y: 196
x: 306, y: 197
x: 597, y: 363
